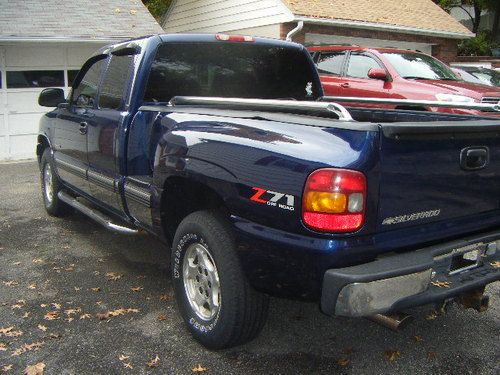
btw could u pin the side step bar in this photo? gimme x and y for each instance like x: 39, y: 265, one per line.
x: 97, y: 216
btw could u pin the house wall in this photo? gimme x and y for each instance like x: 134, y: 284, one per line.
x: 223, y: 15
x: 442, y: 48
x: 268, y: 31
x: 19, y: 109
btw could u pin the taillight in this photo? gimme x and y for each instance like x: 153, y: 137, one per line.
x: 334, y: 200
x: 234, y: 38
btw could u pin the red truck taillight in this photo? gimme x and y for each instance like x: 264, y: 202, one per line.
x: 334, y: 200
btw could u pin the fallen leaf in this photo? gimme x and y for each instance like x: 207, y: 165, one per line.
x: 113, y: 276
x: 38, y: 260
x: 441, y: 284
x: 77, y: 289
x: 32, y: 286
x: 70, y: 312
x: 10, y: 283
x: 16, y: 263
x: 7, y: 368
x: 199, y: 369
x: 56, y: 306
x: 9, y: 332
x: 418, y: 338
x: 98, y: 303
x: 27, y: 347
x: 137, y: 289
x: 122, y: 357
x: 17, y: 306
x: 51, y: 315
x: 165, y: 297
x: 343, y: 362
x: 496, y: 264
x: 95, y: 289
x: 162, y: 317
x: 26, y: 314
x: 55, y: 336
x: 3, y: 347
x: 127, y: 365
x: 431, y: 355
x: 392, y: 355
x: 133, y: 12
x: 42, y: 327
x: 69, y: 320
x: 432, y: 315
x: 113, y: 313
x: 154, y: 362
x: 35, y: 369
x: 85, y: 316
x: 43, y: 305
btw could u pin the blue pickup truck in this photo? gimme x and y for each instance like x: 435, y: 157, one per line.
x: 224, y: 147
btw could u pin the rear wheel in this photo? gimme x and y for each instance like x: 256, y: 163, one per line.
x: 51, y: 186
x: 219, y: 307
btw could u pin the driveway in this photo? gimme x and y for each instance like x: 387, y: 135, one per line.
x: 82, y: 300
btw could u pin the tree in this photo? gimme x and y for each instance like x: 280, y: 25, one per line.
x: 157, y: 8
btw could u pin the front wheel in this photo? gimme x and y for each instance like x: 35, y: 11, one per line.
x: 220, y: 308
x: 51, y: 186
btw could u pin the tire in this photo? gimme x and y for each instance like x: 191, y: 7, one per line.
x: 204, y: 248
x: 51, y: 185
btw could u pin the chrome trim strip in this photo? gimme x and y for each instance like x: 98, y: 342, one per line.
x: 102, y: 180
x: 71, y: 168
x: 137, y: 194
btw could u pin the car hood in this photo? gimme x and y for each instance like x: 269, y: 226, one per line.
x: 473, y: 90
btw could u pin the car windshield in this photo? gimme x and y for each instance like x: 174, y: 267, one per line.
x: 414, y: 65
x: 487, y: 76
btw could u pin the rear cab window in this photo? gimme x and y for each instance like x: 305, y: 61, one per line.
x: 331, y: 62
x: 231, y: 70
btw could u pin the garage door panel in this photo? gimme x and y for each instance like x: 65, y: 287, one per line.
x: 33, y: 56
x: 3, y: 128
x: 25, y: 101
x: 4, y: 149
x: 24, y: 123
x: 22, y: 146
x: 78, y: 55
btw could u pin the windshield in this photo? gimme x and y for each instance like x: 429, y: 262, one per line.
x: 413, y: 65
x: 487, y: 76
x: 231, y: 70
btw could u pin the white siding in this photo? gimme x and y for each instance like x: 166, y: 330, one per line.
x: 19, y: 109
x: 268, y: 31
x: 224, y: 15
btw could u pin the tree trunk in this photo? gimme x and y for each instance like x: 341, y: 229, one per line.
x: 477, y: 17
x: 495, y: 30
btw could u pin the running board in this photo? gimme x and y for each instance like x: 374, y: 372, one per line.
x: 97, y: 216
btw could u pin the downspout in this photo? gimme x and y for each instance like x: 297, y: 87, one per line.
x: 297, y: 29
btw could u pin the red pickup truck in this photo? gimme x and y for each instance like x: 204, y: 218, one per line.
x: 352, y: 71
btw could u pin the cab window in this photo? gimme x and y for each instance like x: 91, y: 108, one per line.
x: 85, y: 93
x: 331, y: 62
x: 360, y: 64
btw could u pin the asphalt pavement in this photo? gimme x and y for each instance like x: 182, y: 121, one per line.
x: 82, y: 300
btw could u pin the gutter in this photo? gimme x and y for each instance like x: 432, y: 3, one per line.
x: 384, y: 27
x: 297, y: 29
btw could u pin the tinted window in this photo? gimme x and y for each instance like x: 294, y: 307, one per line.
x: 415, y: 65
x: 84, y: 95
x: 331, y: 62
x: 35, y: 78
x: 71, y: 76
x: 230, y: 70
x: 359, y: 65
x: 113, y: 85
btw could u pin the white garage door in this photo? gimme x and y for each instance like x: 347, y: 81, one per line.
x: 25, y: 70
x: 366, y: 42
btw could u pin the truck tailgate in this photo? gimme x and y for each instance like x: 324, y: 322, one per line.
x: 438, y: 171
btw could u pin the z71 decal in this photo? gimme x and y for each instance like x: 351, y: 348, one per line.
x: 273, y: 198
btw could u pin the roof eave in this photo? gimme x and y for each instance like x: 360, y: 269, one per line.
x: 50, y: 39
x: 384, y: 27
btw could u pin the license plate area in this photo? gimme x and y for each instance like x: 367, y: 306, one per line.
x: 465, y: 261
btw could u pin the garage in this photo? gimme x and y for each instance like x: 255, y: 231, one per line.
x: 26, y: 69
x: 43, y: 45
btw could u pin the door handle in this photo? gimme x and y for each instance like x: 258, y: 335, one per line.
x: 345, y: 85
x: 83, y: 127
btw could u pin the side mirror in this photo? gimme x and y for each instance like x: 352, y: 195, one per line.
x: 51, y: 97
x: 377, y: 73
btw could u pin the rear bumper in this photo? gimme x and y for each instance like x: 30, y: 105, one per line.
x: 399, y: 281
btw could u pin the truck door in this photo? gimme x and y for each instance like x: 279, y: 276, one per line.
x: 104, y: 132
x: 72, y: 124
x: 356, y: 83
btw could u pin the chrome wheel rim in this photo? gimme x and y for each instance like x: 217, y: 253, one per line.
x: 201, y: 282
x: 48, y: 183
